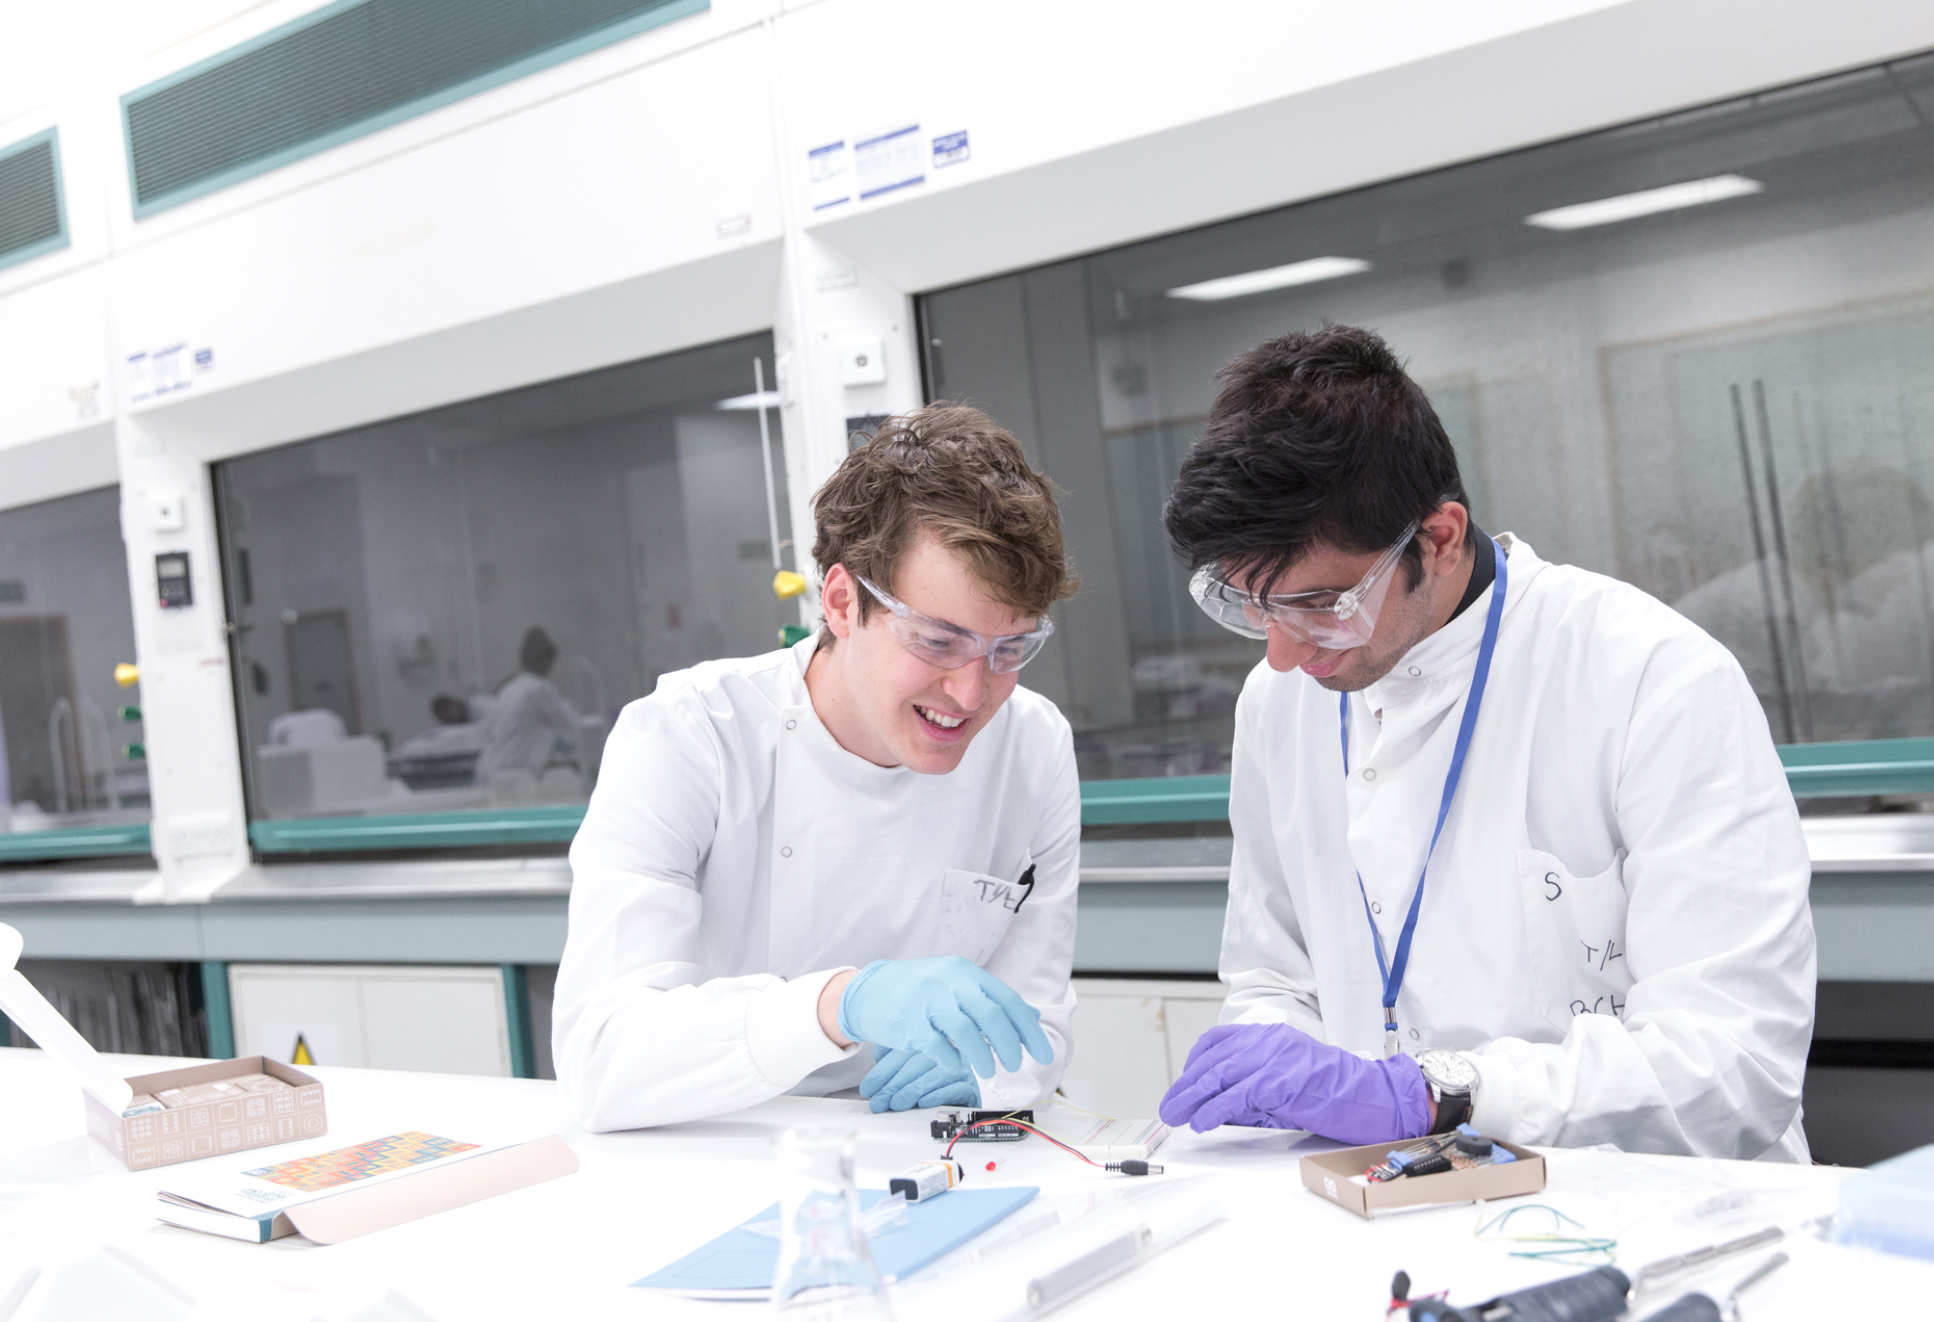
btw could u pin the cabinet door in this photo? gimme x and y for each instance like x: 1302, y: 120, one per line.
x: 1186, y: 1018
x: 1119, y: 1066
x: 275, y: 1005
x: 438, y: 1020
x: 435, y: 1019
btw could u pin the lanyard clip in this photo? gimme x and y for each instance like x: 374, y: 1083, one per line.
x: 1390, y: 1046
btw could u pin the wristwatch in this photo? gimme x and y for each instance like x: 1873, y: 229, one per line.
x: 1452, y: 1079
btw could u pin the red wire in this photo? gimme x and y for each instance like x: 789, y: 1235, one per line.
x: 1020, y: 1124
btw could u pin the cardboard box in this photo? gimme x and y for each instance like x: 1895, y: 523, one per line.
x: 1332, y: 1175
x: 227, y: 1106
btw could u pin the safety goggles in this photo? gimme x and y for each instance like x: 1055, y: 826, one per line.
x: 1334, y: 621
x: 949, y: 646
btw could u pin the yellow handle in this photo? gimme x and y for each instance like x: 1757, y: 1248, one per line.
x: 786, y: 584
x: 126, y: 675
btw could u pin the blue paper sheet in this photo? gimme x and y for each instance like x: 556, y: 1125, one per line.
x: 742, y: 1260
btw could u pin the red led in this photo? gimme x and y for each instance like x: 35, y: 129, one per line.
x: 990, y: 1165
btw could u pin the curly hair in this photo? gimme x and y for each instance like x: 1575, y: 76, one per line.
x: 950, y: 472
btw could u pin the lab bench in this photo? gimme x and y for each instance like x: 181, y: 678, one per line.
x: 466, y: 949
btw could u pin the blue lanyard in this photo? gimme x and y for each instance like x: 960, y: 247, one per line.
x: 1393, y: 972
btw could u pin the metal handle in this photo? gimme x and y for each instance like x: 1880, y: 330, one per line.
x: 1792, y: 617
x: 1765, y: 574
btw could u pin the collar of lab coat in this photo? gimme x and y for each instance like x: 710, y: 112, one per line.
x: 1442, y: 663
x: 828, y: 755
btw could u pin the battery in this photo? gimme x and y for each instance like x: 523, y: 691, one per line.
x: 926, y: 1179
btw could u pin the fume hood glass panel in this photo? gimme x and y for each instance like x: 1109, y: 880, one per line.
x: 1723, y: 393
x: 69, y: 756
x: 444, y: 613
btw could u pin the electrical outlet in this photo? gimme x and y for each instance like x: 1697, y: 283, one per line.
x: 862, y: 362
x: 167, y: 513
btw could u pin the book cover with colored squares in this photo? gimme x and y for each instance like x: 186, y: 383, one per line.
x: 261, y: 1186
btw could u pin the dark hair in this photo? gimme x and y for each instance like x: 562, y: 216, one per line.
x: 1313, y: 437
x: 537, y: 653
x: 953, y: 472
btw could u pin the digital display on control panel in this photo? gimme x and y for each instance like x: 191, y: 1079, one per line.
x: 171, y: 580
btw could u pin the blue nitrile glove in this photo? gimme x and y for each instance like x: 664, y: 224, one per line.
x: 949, y: 1007
x: 903, y: 1078
x: 1275, y: 1077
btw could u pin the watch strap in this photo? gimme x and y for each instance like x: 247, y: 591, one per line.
x: 1453, y: 1109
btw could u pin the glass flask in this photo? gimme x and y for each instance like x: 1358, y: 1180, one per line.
x: 825, y: 1270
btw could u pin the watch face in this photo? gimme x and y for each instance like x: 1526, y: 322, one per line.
x: 1448, y: 1070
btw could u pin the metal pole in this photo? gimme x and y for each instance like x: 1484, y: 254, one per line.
x: 1779, y: 548
x: 1759, y: 559
x: 765, y: 458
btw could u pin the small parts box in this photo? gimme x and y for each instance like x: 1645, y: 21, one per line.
x: 207, y: 1110
x: 1338, y: 1176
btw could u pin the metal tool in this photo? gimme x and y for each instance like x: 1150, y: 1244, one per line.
x: 1697, y: 1307
x: 1654, y: 1274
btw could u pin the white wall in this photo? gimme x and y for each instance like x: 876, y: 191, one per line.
x: 654, y: 195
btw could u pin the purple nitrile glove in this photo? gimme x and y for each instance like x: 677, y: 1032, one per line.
x: 1275, y: 1077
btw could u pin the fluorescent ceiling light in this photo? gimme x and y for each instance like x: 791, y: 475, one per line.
x: 1276, y: 277
x: 1629, y: 206
x: 759, y: 399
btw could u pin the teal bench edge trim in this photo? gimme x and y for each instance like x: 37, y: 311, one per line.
x: 1859, y: 767
x: 517, y: 1019
x: 504, y: 826
x: 75, y: 842
x: 1878, y: 766
x: 216, y: 1005
x: 607, y: 35
x: 1154, y: 799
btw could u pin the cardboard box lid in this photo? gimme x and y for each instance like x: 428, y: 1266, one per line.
x: 358, y: 1211
x: 35, y: 1016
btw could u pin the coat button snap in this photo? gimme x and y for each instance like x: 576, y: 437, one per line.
x: 1369, y: 773
x: 1415, y: 671
x: 1375, y: 907
x: 792, y: 725
x: 785, y: 851
x: 1414, y: 1035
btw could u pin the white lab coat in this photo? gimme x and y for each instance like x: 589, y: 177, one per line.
x: 734, y: 858
x: 1616, y: 924
x: 527, y: 721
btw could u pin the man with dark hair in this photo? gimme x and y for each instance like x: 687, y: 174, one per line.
x: 851, y: 861
x: 1514, y: 848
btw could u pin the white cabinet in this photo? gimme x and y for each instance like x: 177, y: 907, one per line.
x: 1131, y: 1038
x: 441, y: 1019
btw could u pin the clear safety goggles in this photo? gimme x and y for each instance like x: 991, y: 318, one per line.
x: 949, y: 646
x: 1334, y: 621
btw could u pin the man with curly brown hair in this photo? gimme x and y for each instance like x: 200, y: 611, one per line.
x: 867, y: 840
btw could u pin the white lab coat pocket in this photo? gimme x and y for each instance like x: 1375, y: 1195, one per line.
x: 1575, y: 932
x: 976, y: 909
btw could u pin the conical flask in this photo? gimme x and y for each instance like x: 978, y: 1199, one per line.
x: 825, y: 1270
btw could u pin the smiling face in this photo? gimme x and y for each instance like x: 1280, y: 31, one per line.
x: 883, y: 703
x: 1409, y: 612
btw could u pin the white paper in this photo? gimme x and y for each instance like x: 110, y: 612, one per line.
x: 885, y: 161
x: 829, y: 175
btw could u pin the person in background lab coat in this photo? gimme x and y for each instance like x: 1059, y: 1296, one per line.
x: 851, y: 861
x: 1512, y: 842
x: 530, y: 717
